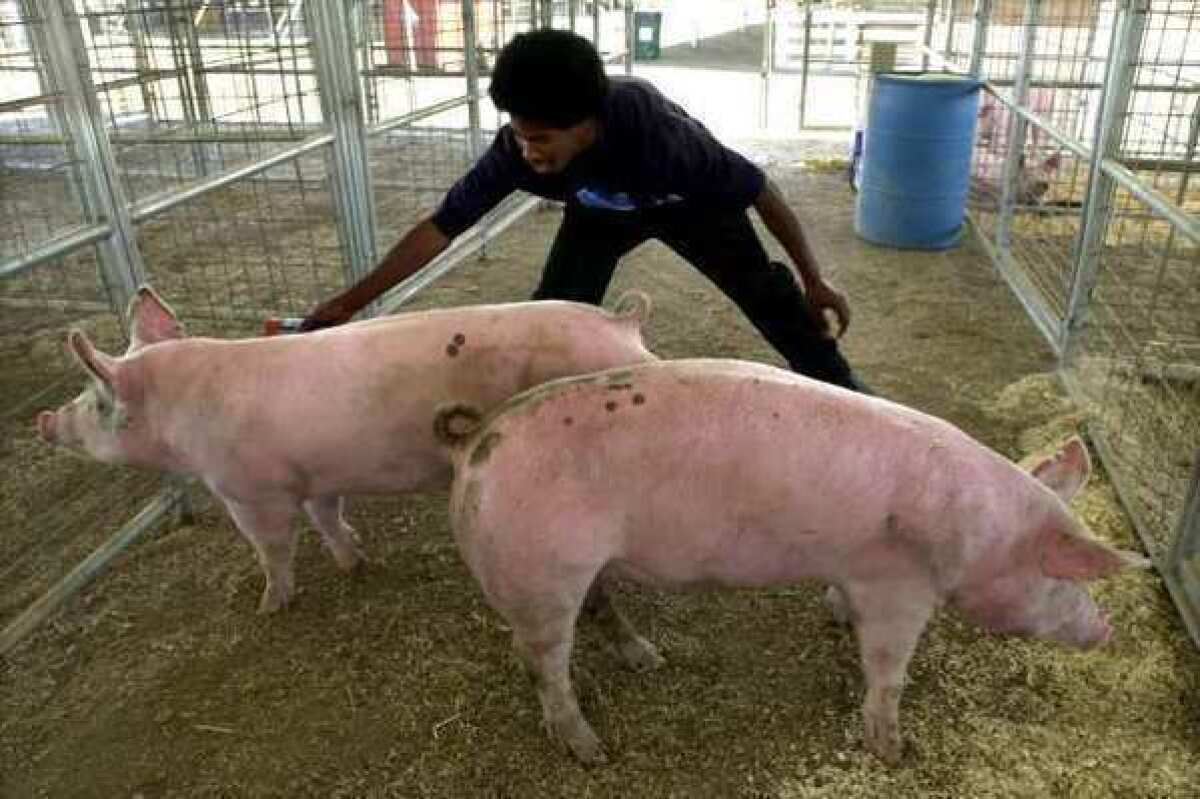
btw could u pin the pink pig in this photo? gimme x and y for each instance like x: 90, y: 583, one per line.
x: 271, y: 425
x: 1035, y: 174
x: 716, y: 472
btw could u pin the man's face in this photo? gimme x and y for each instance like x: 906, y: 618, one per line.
x: 549, y: 150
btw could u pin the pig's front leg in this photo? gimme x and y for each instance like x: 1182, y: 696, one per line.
x: 889, y: 617
x: 339, y: 537
x: 637, y: 653
x: 267, y: 526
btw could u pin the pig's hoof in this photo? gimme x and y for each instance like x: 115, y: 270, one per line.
x: 838, y: 607
x: 640, y: 655
x: 883, y: 740
x: 585, y: 746
x: 273, y: 600
x: 350, y: 560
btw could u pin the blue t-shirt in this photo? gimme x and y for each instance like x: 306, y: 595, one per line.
x: 649, y: 153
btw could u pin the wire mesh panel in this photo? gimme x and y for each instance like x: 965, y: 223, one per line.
x: 1063, y: 71
x: 1088, y: 200
x: 1138, y: 358
x: 40, y: 191
x: 1137, y: 362
x: 189, y: 88
x: 264, y: 246
x: 216, y: 141
x: 55, y: 508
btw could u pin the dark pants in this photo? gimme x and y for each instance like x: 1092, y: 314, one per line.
x: 724, y: 247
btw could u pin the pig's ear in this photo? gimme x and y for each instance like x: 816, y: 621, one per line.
x: 101, y: 367
x: 151, y: 320
x: 1066, y: 555
x: 1066, y: 471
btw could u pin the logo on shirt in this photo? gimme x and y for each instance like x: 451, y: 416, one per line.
x: 619, y: 200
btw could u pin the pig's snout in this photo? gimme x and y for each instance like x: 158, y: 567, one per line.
x: 46, y: 425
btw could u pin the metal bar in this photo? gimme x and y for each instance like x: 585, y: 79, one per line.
x: 1185, y: 223
x: 416, y: 116
x: 930, y: 16
x: 341, y: 102
x: 630, y: 36
x: 46, y: 98
x: 596, y: 24
x: 983, y: 13
x: 571, y: 15
x: 1178, y: 588
x: 463, y: 246
x: 48, y: 84
x: 471, y: 68
x: 93, y: 564
x: 1186, y: 544
x: 55, y: 248
x: 1026, y: 293
x: 119, y: 255
x: 178, y: 17
x: 370, y: 93
x: 949, y: 42
x: 160, y: 203
x: 1014, y: 162
x: 1128, y: 33
x: 804, y: 61
x: 768, y: 20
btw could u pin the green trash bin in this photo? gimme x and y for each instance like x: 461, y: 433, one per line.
x: 647, y: 27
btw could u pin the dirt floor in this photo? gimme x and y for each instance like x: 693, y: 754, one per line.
x: 160, y: 680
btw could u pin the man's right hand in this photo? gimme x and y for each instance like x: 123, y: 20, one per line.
x: 327, y: 314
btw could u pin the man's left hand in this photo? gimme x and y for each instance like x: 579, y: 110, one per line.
x: 823, y: 297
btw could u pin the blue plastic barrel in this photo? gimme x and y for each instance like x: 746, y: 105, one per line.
x: 916, y: 163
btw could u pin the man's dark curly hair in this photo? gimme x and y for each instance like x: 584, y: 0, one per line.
x: 550, y: 76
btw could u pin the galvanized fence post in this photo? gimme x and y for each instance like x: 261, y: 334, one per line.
x: 120, y: 259
x: 341, y: 103
x: 1018, y: 126
x: 948, y: 44
x: 983, y: 14
x: 596, y: 24
x: 475, y: 129
x: 1119, y: 75
x: 1182, y: 567
x: 471, y: 72
x: 804, y: 61
x: 930, y: 16
x: 767, y: 51
x: 630, y: 36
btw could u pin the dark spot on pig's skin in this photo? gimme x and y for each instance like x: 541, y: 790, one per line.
x: 451, y: 350
x: 610, y: 406
x: 483, y: 449
x: 638, y: 399
x: 568, y: 421
x: 459, y: 339
x: 775, y: 415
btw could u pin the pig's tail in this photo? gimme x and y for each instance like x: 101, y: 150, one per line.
x: 453, y: 425
x: 634, y: 305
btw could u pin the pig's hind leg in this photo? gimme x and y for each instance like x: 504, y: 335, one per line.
x: 889, y: 616
x: 339, y: 537
x: 542, y: 607
x: 268, y: 528
x: 637, y: 653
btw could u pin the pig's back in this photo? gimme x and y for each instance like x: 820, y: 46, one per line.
x: 709, y: 464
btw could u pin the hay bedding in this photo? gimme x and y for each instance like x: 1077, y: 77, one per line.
x: 160, y: 681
